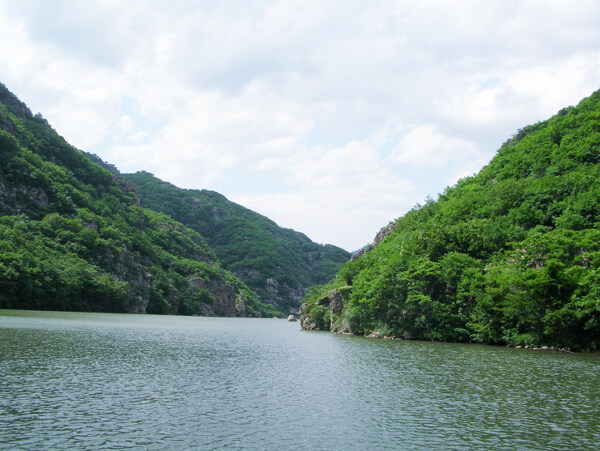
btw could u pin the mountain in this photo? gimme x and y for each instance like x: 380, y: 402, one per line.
x: 508, y: 256
x: 74, y: 237
x: 278, y: 264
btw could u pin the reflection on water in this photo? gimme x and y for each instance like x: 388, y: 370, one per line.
x: 98, y: 381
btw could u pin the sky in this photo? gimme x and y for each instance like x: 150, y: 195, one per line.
x: 332, y: 118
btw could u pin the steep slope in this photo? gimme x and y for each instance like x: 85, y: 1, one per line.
x: 279, y: 264
x: 509, y: 256
x: 73, y: 236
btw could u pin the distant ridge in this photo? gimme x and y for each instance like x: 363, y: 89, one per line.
x: 278, y: 264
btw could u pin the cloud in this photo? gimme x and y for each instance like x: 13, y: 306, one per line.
x: 424, y: 146
x: 351, y: 111
x: 333, y: 193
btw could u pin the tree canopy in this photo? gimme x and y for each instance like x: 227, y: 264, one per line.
x: 278, y: 264
x: 74, y: 237
x: 508, y: 256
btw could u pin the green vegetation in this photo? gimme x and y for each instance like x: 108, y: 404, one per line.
x: 509, y: 256
x: 72, y: 236
x: 278, y: 264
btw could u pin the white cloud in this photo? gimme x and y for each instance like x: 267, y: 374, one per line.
x: 424, y: 146
x: 125, y: 124
x: 552, y: 86
x: 349, y: 111
x: 333, y: 193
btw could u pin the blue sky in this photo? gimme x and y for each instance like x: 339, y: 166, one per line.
x: 331, y: 118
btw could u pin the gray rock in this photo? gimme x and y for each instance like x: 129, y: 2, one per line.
x: 240, y: 305
x: 337, y: 303
x: 359, y: 254
x: 324, y: 301
x: 272, y: 285
x: 384, y: 233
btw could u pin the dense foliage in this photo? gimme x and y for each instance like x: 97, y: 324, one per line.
x: 73, y: 237
x: 279, y: 264
x: 509, y: 256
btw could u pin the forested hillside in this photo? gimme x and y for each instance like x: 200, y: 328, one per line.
x: 73, y: 236
x: 509, y: 256
x: 279, y: 264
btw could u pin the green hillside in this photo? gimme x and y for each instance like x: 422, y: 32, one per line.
x: 73, y: 236
x: 278, y: 264
x: 509, y: 256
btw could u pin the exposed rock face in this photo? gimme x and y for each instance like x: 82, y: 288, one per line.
x: 383, y: 233
x: 291, y: 318
x: 337, y: 303
x: 21, y: 198
x: 247, y: 274
x: 359, y: 254
x: 139, y: 306
x: 297, y: 294
x: 274, y: 293
x: 340, y: 327
x: 303, y: 308
x: 130, y: 271
x: 305, y: 321
x: 240, y: 305
x: 324, y: 301
x: 17, y: 107
x: 206, y: 310
x: 336, y: 322
x: 218, y: 215
x: 226, y: 301
x: 272, y: 286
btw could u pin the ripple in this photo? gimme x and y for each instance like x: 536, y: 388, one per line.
x: 92, y: 381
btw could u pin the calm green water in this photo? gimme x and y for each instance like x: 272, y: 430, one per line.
x: 97, y: 381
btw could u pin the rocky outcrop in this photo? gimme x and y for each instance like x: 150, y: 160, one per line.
x: 384, y: 233
x: 127, y: 269
x: 381, y: 235
x: 21, y: 198
x: 273, y: 292
x: 272, y: 286
x: 337, y: 303
x: 240, y: 305
x: 18, y: 108
x: 139, y: 305
x: 305, y: 322
x: 338, y: 322
x: 225, y: 301
x: 326, y: 300
x: 360, y: 253
x: 247, y: 274
x: 329, y: 313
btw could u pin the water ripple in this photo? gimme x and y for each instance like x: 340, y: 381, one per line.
x: 90, y: 381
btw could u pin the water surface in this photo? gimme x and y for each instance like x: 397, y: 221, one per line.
x: 102, y: 381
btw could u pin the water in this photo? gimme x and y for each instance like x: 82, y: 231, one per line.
x: 98, y: 381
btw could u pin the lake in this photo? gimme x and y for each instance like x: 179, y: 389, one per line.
x: 108, y: 381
